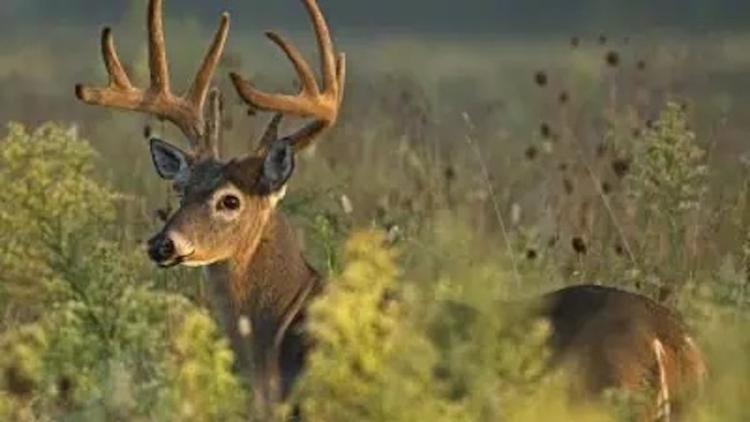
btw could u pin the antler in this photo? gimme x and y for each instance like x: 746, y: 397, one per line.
x: 321, y: 105
x: 184, y: 111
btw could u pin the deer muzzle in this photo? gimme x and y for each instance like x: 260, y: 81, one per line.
x: 168, y: 249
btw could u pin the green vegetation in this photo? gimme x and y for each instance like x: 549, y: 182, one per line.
x: 400, y: 336
x: 86, y: 335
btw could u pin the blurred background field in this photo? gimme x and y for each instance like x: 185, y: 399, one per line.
x: 606, y: 143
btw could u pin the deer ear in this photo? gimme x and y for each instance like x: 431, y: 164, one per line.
x: 169, y: 160
x: 278, y: 166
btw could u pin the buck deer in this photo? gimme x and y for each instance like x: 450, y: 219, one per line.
x: 259, y: 280
x: 227, y: 221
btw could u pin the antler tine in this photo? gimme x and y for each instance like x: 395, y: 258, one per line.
x: 201, y: 83
x: 186, y: 111
x: 311, y: 101
x: 300, y: 104
x: 157, y: 54
x: 309, y: 85
x: 325, y: 46
x: 304, y: 137
x: 118, y: 76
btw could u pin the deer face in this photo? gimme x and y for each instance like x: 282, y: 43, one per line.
x: 224, y: 206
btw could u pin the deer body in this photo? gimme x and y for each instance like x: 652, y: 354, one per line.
x: 611, y: 338
x: 259, y: 281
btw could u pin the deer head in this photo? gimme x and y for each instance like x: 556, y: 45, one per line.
x: 225, y: 204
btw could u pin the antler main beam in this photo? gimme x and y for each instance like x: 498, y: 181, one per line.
x: 312, y: 101
x: 186, y: 111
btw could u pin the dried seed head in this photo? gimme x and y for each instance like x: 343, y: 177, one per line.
x: 564, y: 97
x: 641, y: 65
x: 575, y: 42
x: 568, y: 186
x: 544, y: 130
x: 540, y: 78
x: 621, y: 167
x: 579, y: 245
x: 531, y: 254
x: 612, y: 58
x: 665, y: 292
x: 619, y: 249
x: 449, y: 173
x: 531, y: 153
x: 147, y: 131
x: 606, y: 188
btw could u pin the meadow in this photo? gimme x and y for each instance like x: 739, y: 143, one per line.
x: 463, y: 173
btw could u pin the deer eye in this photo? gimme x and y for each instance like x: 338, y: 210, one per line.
x: 229, y: 202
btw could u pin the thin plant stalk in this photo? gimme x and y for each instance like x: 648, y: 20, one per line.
x: 495, y: 203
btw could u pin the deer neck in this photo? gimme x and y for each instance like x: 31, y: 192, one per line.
x: 265, y: 285
x: 258, y: 296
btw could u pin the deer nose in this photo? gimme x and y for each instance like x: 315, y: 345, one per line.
x: 161, y: 248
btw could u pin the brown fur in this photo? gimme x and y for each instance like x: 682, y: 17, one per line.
x: 607, y: 337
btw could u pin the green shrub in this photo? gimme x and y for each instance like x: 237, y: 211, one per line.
x: 203, y: 386
x: 369, y: 364
x: 49, y: 204
x: 668, y: 181
x: 669, y: 175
